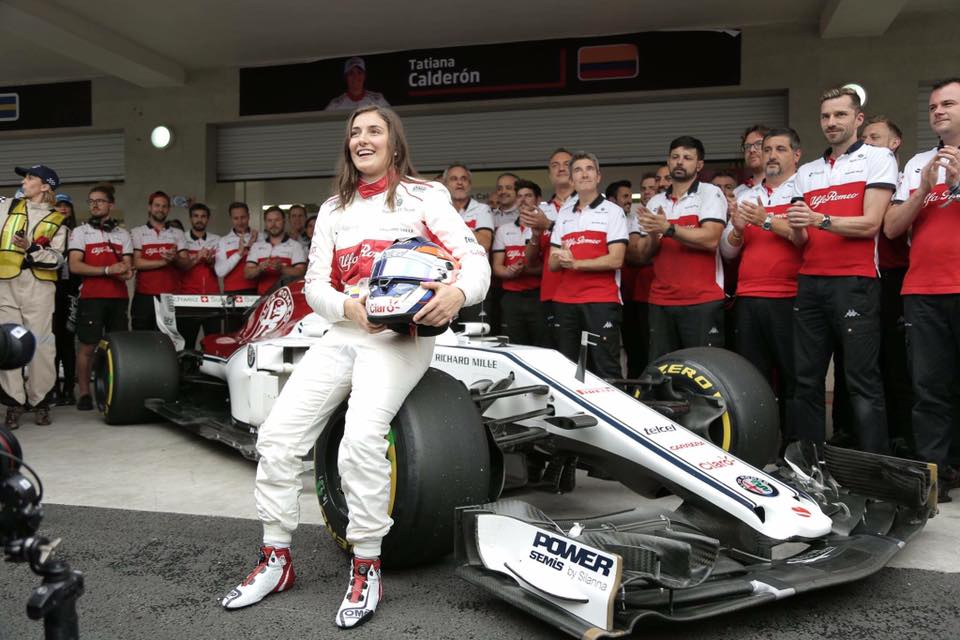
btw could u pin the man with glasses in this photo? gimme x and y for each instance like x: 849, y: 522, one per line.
x: 752, y: 146
x: 101, y: 253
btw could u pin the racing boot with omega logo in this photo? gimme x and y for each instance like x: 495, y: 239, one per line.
x: 364, y: 593
x: 273, y: 574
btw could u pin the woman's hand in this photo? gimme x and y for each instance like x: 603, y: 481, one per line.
x: 443, y: 307
x: 356, y: 311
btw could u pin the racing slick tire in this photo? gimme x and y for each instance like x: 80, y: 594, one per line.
x: 439, y: 461
x: 128, y: 368
x: 749, y: 428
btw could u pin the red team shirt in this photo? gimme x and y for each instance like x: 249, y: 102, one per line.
x: 151, y: 243
x: 548, y: 279
x: 769, y: 263
x: 289, y: 252
x: 588, y: 232
x: 509, y: 240
x: 227, y: 249
x: 200, y: 278
x: 836, y: 189
x: 101, y: 249
x: 683, y: 275
x: 934, y: 250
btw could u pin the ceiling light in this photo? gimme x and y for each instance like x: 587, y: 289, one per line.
x: 161, y: 137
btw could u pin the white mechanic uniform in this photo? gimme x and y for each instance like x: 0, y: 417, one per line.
x: 376, y: 371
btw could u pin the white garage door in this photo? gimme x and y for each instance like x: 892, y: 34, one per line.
x: 76, y: 158
x: 636, y: 133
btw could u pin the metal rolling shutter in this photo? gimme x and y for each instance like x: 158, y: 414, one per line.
x: 76, y: 158
x: 636, y: 133
x: 926, y: 138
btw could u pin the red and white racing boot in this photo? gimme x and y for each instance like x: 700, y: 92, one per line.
x: 273, y: 574
x: 363, y: 593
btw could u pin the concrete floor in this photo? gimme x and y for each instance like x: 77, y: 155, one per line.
x: 162, y: 468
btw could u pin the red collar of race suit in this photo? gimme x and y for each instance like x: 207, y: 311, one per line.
x: 370, y: 189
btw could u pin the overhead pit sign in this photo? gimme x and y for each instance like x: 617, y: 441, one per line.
x: 45, y: 106
x: 9, y: 107
x: 634, y: 62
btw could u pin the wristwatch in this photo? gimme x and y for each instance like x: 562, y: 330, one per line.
x: 825, y: 223
x: 671, y: 231
x: 767, y: 222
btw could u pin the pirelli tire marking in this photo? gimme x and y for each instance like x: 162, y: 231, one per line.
x: 681, y: 369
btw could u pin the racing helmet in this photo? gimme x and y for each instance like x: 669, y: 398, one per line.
x: 395, y: 294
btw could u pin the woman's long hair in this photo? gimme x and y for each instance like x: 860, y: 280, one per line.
x: 348, y: 178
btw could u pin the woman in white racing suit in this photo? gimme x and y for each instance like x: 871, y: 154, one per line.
x: 377, y: 202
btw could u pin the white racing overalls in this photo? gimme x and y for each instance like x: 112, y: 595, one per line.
x: 376, y: 371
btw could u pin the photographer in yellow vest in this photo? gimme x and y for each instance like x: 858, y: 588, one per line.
x: 32, y: 243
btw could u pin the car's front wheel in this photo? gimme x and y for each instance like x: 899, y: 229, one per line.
x: 439, y: 460
x: 128, y: 368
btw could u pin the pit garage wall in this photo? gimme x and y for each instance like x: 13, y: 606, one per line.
x: 916, y: 49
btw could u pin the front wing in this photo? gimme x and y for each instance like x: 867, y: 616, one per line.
x: 599, y: 577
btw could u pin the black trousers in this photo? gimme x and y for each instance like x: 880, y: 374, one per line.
x: 520, y: 317
x: 893, y: 356
x: 844, y: 310
x: 64, y: 324
x: 600, y: 318
x: 548, y: 320
x: 143, y: 315
x: 764, y: 336
x: 679, y: 327
x: 933, y: 336
x: 189, y: 328
x: 636, y: 336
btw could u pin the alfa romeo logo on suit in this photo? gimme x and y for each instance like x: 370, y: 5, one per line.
x: 757, y: 485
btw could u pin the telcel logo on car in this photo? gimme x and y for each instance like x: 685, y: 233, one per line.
x: 652, y: 431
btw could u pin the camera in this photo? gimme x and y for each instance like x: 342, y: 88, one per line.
x: 54, y: 601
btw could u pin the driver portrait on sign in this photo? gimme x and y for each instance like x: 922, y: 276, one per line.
x: 403, y: 236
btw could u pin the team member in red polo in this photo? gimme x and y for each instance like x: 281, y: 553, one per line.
x: 159, y: 253
x: 770, y: 256
x: 277, y: 256
x: 684, y: 226
x: 479, y: 219
x: 100, y: 252
x: 840, y: 199
x: 663, y: 178
x: 588, y: 243
x: 927, y: 203
x: 751, y: 143
x: 893, y: 257
x: 199, y: 278
x: 634, y: 333
x: 232, y: 250
x: 539, y: 223
x: 521, y: 318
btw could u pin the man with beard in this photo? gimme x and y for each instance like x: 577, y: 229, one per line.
x: 663, y: 178
x: 684, y: 225
x: 199, y: 278
x: 927, y: 203
x: 479, y: 219
x: 297, y: 218
x: 539, y: 223
x: 751, y: 144
x: 159, y: 253
x: 770, y: 254
x: 278, y: 256
x: 648, y: 187
x: 839, y: 200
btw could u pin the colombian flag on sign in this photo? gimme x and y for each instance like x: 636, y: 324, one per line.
x: 9, y: 107
x: 608, y: 62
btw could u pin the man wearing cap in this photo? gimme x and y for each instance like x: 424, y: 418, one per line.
x: 32, y: 241
x: 355, y: 75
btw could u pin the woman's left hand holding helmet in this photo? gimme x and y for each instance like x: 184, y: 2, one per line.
x: 443, y: 307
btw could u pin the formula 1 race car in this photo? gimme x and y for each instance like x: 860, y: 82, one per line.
x: 489, y: 416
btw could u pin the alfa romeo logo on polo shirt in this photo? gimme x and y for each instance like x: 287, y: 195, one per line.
x: 757, y: 485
